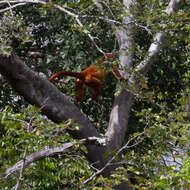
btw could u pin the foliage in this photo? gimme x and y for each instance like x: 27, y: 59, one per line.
x: 56, y: 170
x: 160, y: 160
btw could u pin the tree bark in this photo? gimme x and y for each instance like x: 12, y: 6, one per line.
x: 54, y: 104
x: 120, y: 113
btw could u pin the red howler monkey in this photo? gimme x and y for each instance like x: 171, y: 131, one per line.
x: 92, y: 77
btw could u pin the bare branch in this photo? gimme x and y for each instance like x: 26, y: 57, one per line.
x: 111, y: 160
x: 118, y: 122
x: 24, y: 157
x: 158, y: 42
x: 173, y: 6
x: 12, y: 7
x: 152, y: 53
x: 35, y: 54
x: 38, y: 156
x: 50, y: 152
x: 108, y: 9
x: 102, y: 18
x: 144, y: 28
x: 22, y: 169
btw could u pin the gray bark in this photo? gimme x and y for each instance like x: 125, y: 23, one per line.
x: 38, y: 91
x: 120, y: 113
x: 55, y: 105
x: 118, y: 123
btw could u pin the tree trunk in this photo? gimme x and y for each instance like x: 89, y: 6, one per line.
x: 55, y: 105
x: 58, y: 107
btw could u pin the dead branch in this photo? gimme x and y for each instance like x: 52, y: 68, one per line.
x: 47, y: 151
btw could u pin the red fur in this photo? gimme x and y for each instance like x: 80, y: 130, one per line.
x: 92, y: 77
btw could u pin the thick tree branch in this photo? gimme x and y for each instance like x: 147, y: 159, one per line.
x: 153, y: 52
x: 49, y: 152
x: 122, y: 104
x: 111, y: 160
x: 119, y: 115
x: 38, y: 156
x: 159, y: 40
x: 55, y: 105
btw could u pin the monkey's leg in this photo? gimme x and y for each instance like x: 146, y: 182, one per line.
x: 80, y: 89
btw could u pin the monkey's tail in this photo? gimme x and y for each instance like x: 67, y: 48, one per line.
x: 67, y: 73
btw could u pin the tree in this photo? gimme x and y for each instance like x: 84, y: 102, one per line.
x: 55, y: 105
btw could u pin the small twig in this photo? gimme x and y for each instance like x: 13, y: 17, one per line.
x: 144, y: 27
x: 19, y: 120
x: 108, y: 9
x: 102, y: 18
x: 22, y: 169
x: 12, y: 7
x: 24, y: 157
x: 91, y: 165
x: 63, y: 9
